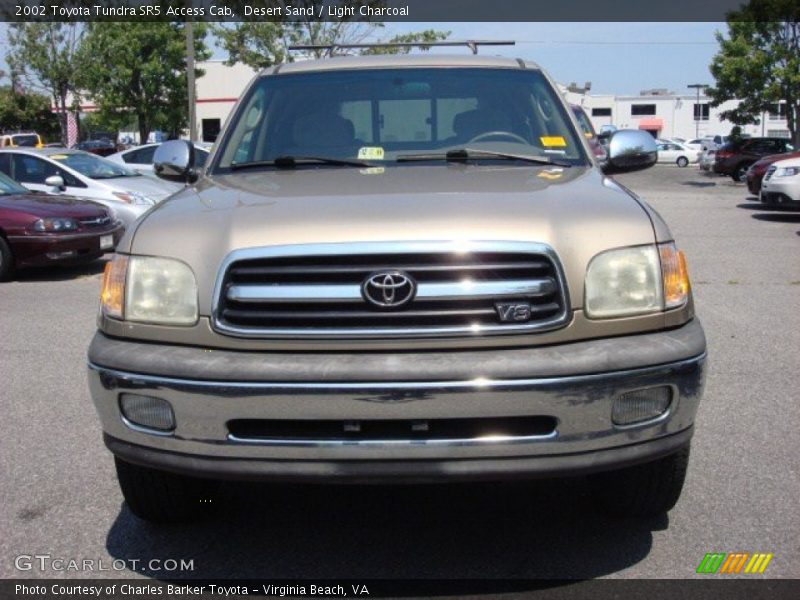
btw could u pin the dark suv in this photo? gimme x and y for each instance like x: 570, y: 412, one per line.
x: 735, y: 157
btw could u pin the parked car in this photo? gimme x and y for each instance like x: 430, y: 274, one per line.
x: 588, y: 130
x: 695, y: 144
x: 756, y: 172
x: 21, y: 140
x: 735, y: 157
x: 84, y: 175
x: 459, y: 293
x: 100, y: 147
x: 39, y: 230
x: 676, y: 154
x: 781, y: 184
x: 706, y: 160
x: 140, y: 158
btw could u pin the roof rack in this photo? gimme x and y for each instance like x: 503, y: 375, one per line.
x: 471, y: 44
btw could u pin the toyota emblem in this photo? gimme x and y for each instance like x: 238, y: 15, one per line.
x: 389, y: 289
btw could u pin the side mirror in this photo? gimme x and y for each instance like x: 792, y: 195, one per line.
x: 174, y: 161
x: 56, y: 181
x: 630, y: 150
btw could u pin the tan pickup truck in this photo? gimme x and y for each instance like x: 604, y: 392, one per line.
x: 399, y: 269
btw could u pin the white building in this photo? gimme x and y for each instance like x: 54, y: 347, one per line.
x: 666, y: 114
x: 217, y: 92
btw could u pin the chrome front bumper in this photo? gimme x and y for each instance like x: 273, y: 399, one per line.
x: 585, y: 438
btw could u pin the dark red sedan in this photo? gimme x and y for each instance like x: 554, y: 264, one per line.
x: 37, y: 229
x: 758, y: 169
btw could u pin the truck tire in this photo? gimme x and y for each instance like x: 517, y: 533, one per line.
x: 161, y: 497
x: 6, y: 260
x: 740, y: 173
x: 645, y: 490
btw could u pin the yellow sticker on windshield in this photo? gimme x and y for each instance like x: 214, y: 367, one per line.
x: 553, y: 141
x: 370, y: 153
x: 58, y: 156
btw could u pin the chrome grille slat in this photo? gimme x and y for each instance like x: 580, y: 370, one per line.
x: 334, y: 269
x: 316, y: 290
x: 464, y: 290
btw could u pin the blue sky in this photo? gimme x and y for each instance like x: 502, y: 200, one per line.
x: 618, y: 58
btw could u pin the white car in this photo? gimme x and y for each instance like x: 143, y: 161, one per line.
x: 140, y: 158
x: 75, y: 173
x: 677, y: 154
x: 781, y: 183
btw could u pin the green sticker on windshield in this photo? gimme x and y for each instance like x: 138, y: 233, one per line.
x: 370, y: 153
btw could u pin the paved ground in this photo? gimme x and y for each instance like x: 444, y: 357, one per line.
x: 58, y: 493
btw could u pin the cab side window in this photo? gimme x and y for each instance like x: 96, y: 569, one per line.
x: 31, y: 169
x: 5, y: 164
x: 141, y: 156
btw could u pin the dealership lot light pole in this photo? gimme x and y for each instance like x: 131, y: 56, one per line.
x: 190, y: 80
x: 697, y: 110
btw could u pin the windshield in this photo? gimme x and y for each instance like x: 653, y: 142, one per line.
x: 93, y: 166
x: 378, y: 115
x: 9, y: 186
x: 26, y: 140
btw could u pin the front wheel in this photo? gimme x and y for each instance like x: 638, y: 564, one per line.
x: 682, y: 161
x: 740, y: 174
x: 162, y: 497
x: 6, y: 260
x: 645, y: 490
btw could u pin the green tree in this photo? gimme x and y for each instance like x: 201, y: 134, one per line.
x: 263, y: 44
x: 44, y: 55
x: 759, y: 62
x: 416, y: 37
x: 139, y: 69
x: 24, y: 110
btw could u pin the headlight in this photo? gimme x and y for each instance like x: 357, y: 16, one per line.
x: 622, y: 282
x: 134, y: 198
x: 149, y: 290
x: 65, y: 224
x: 786, y: 172
x: 635, y: 281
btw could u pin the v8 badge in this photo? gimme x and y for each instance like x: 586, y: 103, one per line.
x: 513, y: 312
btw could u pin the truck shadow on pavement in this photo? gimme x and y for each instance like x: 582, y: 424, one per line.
x: 511, y: 530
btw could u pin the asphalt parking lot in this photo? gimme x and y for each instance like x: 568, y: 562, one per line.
x: 58, y: 492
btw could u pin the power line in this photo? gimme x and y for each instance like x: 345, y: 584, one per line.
x: 613, y: 43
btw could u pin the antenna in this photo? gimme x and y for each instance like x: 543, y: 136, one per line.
x: 471, y: 44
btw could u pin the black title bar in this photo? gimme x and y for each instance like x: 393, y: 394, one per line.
x: 368, y: 10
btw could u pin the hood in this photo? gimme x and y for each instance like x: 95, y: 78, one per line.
x: 157, y: 189
x: 772, y: 158
x: 575, y: 210
x: 42, y: 205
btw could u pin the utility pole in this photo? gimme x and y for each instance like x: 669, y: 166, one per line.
x: 698, y: 110
x: 190, y: 80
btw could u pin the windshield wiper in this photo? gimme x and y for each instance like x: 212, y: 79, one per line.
x: 464, y: 154
x: 288, y: 162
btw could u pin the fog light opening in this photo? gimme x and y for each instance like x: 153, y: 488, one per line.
x: 148, y: 412
x: 639, y: 406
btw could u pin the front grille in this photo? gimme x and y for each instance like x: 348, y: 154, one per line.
x: 95, y: 222
x: 320, y: 290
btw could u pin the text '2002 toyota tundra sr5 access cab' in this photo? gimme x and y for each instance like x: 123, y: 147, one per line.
x: 405, y: 268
